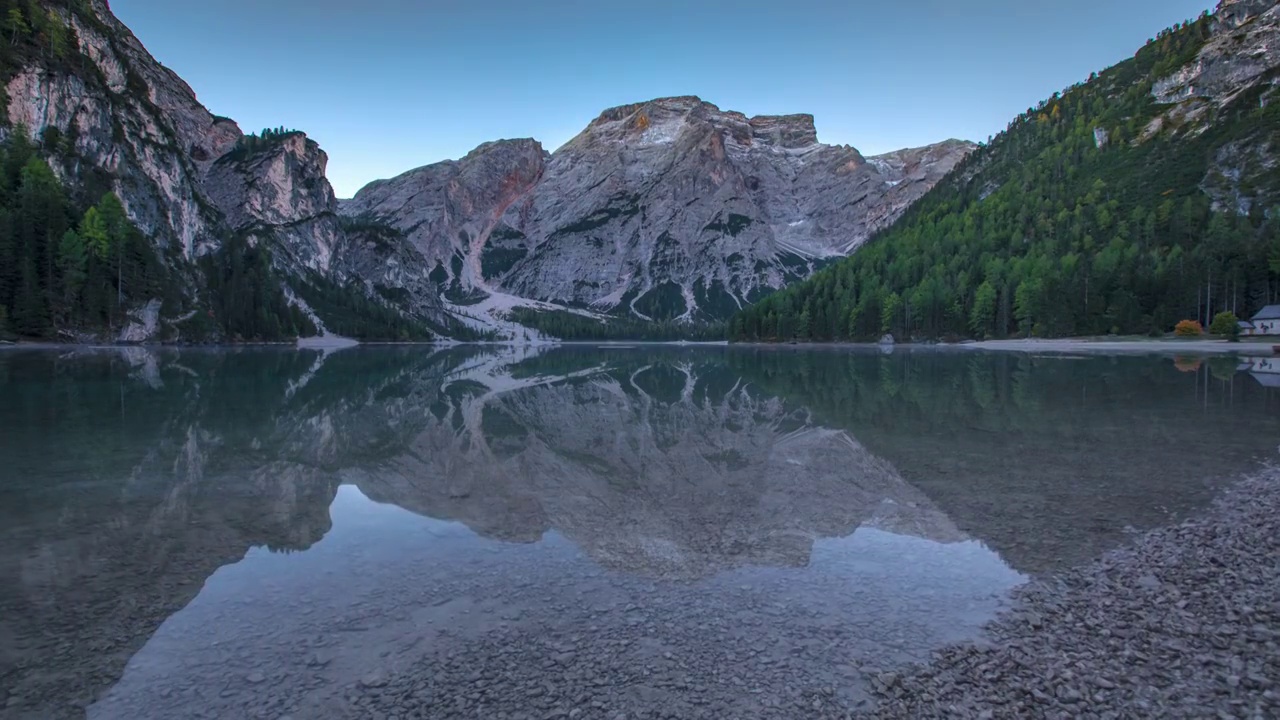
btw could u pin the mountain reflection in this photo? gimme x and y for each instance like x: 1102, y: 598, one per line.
x: 129, y: 477
x: 664, y: 466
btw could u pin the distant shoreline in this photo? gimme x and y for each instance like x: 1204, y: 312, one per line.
x: 1089, y: 346
x: 1128, y: 347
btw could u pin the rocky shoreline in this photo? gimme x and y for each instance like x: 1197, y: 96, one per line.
x: 1185, y: 622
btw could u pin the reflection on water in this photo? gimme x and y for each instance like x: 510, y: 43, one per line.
x: 250, y: 533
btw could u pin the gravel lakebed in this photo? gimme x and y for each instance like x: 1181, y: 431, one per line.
x: 1184, y: 622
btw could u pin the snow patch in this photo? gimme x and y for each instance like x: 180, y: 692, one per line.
x: 326, y: 340
x: 880, y: 164
x: 492, y: 315
x: 797, y: 249
x: 662, y: 133
x: 143, y: 323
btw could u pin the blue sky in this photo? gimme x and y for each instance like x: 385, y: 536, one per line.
x: 388, y: 85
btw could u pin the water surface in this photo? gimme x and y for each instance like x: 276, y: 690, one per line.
x: 518, y: 533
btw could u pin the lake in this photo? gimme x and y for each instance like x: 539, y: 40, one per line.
x: 577, y: 532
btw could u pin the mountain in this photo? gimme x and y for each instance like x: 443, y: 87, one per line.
x: 668, y: 209
x: 1142, y: 197
x: 198, y: 232
x: 135, y: 214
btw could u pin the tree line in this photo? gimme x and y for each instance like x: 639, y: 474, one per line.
x: 250, y: 144
x: 571, y: 326
x: 1081, y: 218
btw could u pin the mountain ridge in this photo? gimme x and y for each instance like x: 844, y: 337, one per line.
x: 667, y: 209
x: 664, y: 211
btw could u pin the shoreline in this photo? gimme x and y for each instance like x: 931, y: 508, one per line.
x: 1127, y: 347
x: 1066, y: 346
x: 1183, y: 622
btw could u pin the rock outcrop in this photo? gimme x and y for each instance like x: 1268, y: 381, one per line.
x: 280, y: 189
x: 1239, y: 63
x: 132, y: 120
x: 666, y: 209
x: 1244, y: 50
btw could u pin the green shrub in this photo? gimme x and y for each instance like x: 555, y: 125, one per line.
x: 1225, y: 324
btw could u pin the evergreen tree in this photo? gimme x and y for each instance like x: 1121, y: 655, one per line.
x: 73, y: 261
x: 982, y: 316
x: 17, y: 25
x: 30, y: 310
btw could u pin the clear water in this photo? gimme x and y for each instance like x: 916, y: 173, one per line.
x: 515, y: 533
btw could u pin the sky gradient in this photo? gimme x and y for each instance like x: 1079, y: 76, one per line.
x: 388, y: 85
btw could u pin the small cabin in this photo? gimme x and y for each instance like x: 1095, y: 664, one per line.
x: 1265, y: 322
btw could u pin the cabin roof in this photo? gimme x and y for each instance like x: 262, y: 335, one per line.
x: 1270, y: 312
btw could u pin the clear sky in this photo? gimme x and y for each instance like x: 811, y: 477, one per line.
x: 388, y: 85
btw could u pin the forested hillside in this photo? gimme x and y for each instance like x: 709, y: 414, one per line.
x: 63, y: 266
x: 1091, y: 214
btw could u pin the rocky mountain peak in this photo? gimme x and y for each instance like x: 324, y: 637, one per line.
x: 272, y: 180
x: 785, y: 131
x: 681, y: 105
x: 1234, y: 13
x: 664, y: 120
x: 665, y: 209
x: 521, y: 146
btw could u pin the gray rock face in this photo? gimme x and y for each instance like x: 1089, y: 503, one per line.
x: 1244, y: 48
x: 451, y: 209
x: 665, y: 209
x: 1241, y: 56
x: 281, y: 188
x: 137, y: 122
